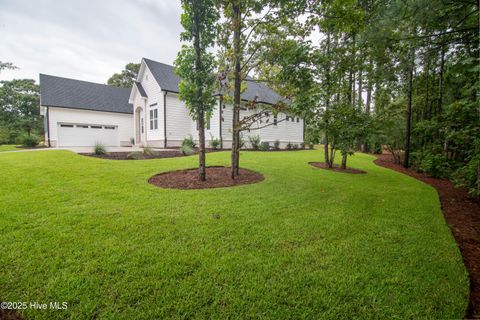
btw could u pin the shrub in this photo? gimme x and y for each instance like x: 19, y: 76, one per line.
x: 186, y: 150
x: 30, y: 141
x: 4, y: 136
x: 377, y: 148
x: 99, y: 149
x: 255, y: 142
x: 311, y: 146
x: 241, y: 142
x: 467, y: 176
x: 302, y: 145
x: 147, y: 151
x: 295, y: 146
x: 136, y: 155
x: 264, y: 146
x: 132, y: 141
x: 434, y: 164
x: 188, y: 141
x: 276, y: 145
x: 215, y: 143
x: 289, y: 146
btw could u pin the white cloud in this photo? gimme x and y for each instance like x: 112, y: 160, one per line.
x: 86, y: 39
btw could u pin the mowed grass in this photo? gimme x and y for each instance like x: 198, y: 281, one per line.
x: 8, y: 147
x: 303, y: 243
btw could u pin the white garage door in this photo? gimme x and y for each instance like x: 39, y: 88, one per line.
x: 87, y: 135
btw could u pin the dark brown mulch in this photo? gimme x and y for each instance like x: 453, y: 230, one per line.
x: 336, y: 168
x: 462, y: 214
x: 123, y: 155
x: 217, y: 177
x: 6, y: 314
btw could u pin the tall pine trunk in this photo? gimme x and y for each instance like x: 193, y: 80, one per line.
x: 236, y: 93
x: 406, y: 162
x: 327, y: 103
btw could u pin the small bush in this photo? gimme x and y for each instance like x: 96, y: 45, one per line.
x: 188, y: 141
x: 148, y: 151
x: 186, y: 150
x: 241, y: 142
x: 215, y: 143
x: 255, y: 142
x: 377, y: 148
x: 311, y: 146
x: 289, y: 146
x: 433, y: 164
x: 99, y: 149
x: 276, y: 145
x: 136, y: 155
x: 30, y: 141
x: 264, y: 146
x: 295, y: 146
x: 302, y: 145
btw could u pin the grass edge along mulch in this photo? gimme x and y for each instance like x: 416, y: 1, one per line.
x: 462, y: 214
x: 336, y: 168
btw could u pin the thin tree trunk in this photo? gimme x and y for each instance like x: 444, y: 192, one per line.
x: 368, y: 104
x: 327, y: 99
x: 360, y: 89
x: 406, y: 163
x: 200, y: 107
x: 344, y: 161
x: 440, y: 80
x: 236, y: 94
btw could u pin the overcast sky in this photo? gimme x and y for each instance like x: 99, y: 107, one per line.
x: 86, y: 39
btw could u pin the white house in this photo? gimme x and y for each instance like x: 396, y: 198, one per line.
x: 80, y: 113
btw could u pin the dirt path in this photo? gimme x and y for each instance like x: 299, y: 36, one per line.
x: 462, y: 214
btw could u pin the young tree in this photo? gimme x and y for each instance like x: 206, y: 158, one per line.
x: 19, y: 105
x: 195, y: 66
x: 126, y: 77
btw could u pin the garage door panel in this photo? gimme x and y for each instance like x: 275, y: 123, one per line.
x: 86, y: 135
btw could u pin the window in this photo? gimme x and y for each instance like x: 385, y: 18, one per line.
x: 142, y: 125
x: 66, y: 125
x: 287, y: 118
x: 96, y: 127
x: 154, y: 119
x: 82, y: 126
x: 109, y: 127
x: 275, y: 120
x: 298, y: 119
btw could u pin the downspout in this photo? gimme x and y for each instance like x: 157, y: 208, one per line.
x: 165, y: 119
x: 220, y: 110
x: 48, y: 127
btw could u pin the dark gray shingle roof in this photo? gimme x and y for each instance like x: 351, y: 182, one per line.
x: 77, y: 94
x: 140, y: 89
x: 165, y: 75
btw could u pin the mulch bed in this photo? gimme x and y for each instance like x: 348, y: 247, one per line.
x: 217, y: 177
x: 336, y: 168
x: 123, y: 155
x: 462, y: 214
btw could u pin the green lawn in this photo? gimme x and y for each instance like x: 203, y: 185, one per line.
x: 303, y: 243
x: 8, y: 147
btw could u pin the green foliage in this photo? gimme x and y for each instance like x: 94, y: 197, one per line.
x: 264, y: 146
x: 215, y: 143
x: 99, y: 149
x: 4, y: 136
x: 189, y: 142
x: 289, y: 146
x: 19, y: 107
x: 254, y: 141
x: 186, y: 150
x: 126, y: 77
x: 431, y: 163
x: 136, y: 155
x: 276, y: 145
x: 30, y: 140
